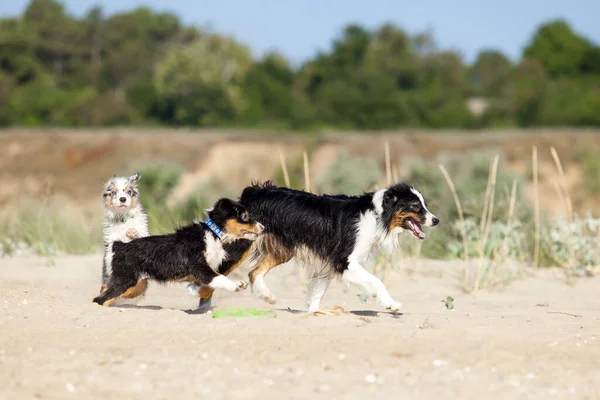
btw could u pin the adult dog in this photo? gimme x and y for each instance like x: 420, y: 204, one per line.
x: 331, y: 234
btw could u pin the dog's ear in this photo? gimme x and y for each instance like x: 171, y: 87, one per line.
x: 135, y: 177
x: 389, y: 199
x: 223, y: 206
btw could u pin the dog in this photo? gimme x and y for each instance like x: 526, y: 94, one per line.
x: 124, y: 218
x: 331, y: 234
x: 201, y: 254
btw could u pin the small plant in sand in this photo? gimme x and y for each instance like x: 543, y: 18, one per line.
x: 573, y: 245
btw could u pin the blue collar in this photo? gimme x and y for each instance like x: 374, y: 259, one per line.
x: 215, y: 228
x: 376, y: 215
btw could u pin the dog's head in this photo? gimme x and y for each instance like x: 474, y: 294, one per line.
x: 121, y: 193
x: 404, y: 207
x: 235, y: 220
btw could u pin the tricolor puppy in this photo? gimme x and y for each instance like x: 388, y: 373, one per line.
x: 202, y: 254
x: 331, y: 234
x: 124, y: 218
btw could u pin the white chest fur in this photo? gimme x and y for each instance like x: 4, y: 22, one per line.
x: 215, y: 253
x: 117, y: 230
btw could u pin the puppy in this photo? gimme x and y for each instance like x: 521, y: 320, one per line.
x: 124, y: 218
x: 202, y: 254
x: 332, y: 234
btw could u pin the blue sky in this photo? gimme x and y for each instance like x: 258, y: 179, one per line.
x: 299, y: 28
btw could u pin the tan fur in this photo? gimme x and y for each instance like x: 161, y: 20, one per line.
x: 236, y: 229
x: 108, y: 202
x: 133, y: 292
x: 132, y: 234
x: 399, y: 220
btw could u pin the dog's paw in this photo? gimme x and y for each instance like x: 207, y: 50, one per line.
x: 132, y: 234
x: 394, y: 306
x: 269, y: 298
x: 192, y: 289
x: 241, y: 285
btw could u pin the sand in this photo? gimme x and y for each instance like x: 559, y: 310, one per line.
x: 509, y: 344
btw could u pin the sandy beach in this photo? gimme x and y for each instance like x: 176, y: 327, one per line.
x: 536, y: 338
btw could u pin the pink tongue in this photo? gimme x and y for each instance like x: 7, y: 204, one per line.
x: 416, y: 230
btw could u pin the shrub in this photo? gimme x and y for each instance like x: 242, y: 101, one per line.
x: 349, y: 175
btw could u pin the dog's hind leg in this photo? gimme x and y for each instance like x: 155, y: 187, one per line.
x: 138, y: 290
x: 356, y: 274
x: 257, y: 277
x: 119, y: 290
x: 317, y: 286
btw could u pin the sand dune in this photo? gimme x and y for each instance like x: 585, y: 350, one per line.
x: 516, y: 343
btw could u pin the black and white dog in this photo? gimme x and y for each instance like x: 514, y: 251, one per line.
x: 331, y: 234
x: 201, y: 254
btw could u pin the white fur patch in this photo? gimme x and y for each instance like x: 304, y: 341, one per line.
x: 428, y: 216
x: 108, y: 256
x: 223, y: 282
x: 369, y: 232
x: 215, y: 254
x: 378, y: 200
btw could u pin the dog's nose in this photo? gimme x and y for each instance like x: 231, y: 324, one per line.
x: 122, y: 199
x: 435, y: 221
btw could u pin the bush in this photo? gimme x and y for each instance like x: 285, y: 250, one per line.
x: 571, y: 245
x: 349, y: 175
x: 48, y: 230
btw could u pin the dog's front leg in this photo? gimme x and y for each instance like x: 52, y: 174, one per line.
x: 356, y: 274
x: 132, y: 234
x: 223, y: 282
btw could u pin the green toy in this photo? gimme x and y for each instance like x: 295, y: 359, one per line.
x: 241, y: 313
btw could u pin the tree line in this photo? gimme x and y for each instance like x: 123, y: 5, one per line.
x: 146, y: 68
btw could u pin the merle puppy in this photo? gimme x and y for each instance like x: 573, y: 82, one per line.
x: 201, y: 253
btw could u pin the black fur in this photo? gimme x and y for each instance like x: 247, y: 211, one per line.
x: 179, y: 255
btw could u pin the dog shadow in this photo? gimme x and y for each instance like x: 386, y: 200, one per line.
x: 142, y: 307
x: 197, y: 311
x: 358, y: 313
x: 374, y: 314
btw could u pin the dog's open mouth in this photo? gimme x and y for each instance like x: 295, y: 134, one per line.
x: 415, y: 228
x: 250, y: 235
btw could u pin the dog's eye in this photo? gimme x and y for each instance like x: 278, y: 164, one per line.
x: 129, y: 192
x: 114, y: 192
x: 244, y: 217
x: 416, y: 207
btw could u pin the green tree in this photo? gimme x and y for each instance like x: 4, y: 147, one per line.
x: 201, y: 83
x: 490, y: 74
x: 268, y: 90
x: 559, y: 50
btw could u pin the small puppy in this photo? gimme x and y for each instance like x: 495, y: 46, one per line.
x: 202, y: 254
x: 124, y: 218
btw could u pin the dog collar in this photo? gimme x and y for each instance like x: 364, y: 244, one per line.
x: 126, y: 217
x: 215, y: 228
x: 376, y: 215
